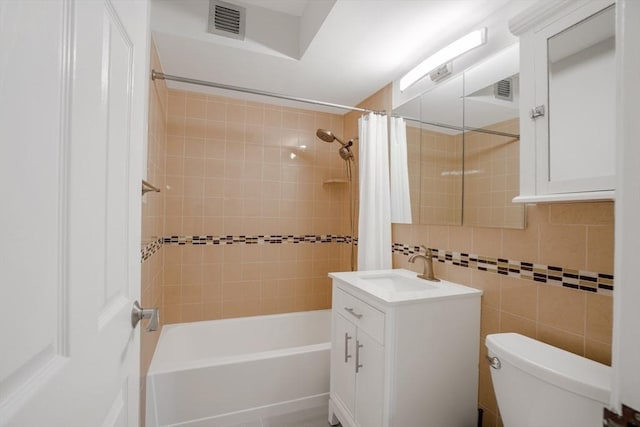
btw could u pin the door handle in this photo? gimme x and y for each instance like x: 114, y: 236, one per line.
x: 138, y: 313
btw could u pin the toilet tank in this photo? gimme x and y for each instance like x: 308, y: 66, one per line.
x: 538, y: 385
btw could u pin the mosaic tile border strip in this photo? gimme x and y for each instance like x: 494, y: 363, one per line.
x: 150, y: 248
x: 255, y: 240
x: 583, y: 280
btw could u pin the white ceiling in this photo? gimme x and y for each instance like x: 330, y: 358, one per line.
x: 339, y: 51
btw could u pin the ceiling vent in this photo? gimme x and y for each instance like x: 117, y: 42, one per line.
x: 504, y: 89
x: 226, y: 19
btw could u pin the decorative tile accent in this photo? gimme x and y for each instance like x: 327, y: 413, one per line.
x: 583, y: 280
x: 150, y: 248
x: 153, y: 247
x: 254, y: 240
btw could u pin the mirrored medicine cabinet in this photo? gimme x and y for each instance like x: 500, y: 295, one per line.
x: 568, y: 94
x: 463, y: 147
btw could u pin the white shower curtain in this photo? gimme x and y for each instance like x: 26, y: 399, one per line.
x: 374, y: 218
x: 399, y: 172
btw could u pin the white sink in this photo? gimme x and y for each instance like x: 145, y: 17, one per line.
x: 397, y: 283
x: 399, y: 286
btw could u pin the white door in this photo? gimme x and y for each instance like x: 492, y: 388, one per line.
x: 73, y: 77
x: 626, y: 298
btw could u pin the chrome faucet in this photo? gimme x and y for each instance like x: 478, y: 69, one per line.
x: 427, y: 273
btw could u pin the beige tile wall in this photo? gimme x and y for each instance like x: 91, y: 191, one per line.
x: 213, y: 282
x: 246, y: 169
x: 578, y: 236
x: 153, y: 218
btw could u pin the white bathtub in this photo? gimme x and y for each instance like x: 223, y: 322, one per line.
x: 225, y: 372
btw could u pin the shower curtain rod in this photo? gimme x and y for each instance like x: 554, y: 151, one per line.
x: 463, y: 128
x: 162, y: 76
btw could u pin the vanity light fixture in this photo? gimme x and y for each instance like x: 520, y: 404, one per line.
x: 444, y: 55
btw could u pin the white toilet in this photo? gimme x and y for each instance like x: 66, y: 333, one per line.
x: 538, y: 385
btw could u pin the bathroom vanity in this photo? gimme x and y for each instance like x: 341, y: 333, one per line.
x: 404, y: 351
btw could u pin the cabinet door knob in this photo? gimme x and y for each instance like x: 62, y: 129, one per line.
x: 536, y: 112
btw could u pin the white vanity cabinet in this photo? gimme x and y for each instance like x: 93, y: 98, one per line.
x: 567, y: 104
x: 405, y: 357
x: 358, y: 360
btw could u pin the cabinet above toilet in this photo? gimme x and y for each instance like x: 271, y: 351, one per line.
x: 567, y: 108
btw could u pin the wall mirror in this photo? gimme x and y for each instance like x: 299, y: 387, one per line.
x: 434, y: 151
x: 463, y: 147
x: 578, y: 56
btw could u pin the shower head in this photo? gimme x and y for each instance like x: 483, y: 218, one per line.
x: 328, y: 136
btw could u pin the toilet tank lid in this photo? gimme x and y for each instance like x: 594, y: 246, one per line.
x: 553, y: 365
